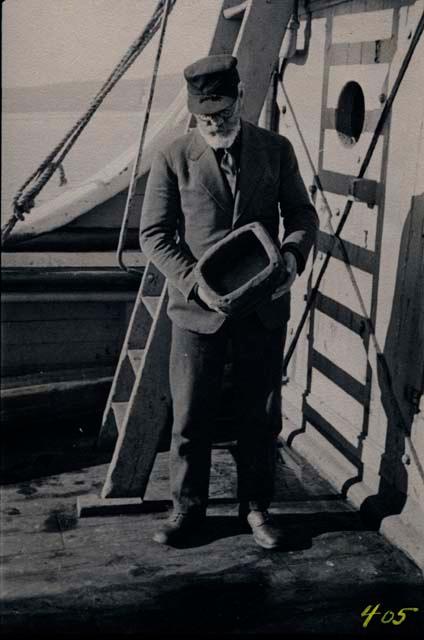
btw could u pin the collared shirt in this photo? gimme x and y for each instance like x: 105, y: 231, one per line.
x: 235, y: 151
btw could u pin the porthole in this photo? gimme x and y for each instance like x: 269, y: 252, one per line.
x: 350, y: 113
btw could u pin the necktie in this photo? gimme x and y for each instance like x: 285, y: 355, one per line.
x: 228, y: 166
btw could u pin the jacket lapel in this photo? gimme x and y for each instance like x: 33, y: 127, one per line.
x: 208, y: 174
x: 253, y: 162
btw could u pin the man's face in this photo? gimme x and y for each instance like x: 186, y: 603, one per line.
x: 220, y: 129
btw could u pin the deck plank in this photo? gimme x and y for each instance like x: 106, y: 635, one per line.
x: 105, y: 574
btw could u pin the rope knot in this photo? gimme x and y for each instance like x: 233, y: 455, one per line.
x: 20, y: 208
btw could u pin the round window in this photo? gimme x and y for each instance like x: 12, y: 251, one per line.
x: 350, y: 113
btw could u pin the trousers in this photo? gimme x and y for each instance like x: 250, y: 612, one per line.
x: 197, y: 364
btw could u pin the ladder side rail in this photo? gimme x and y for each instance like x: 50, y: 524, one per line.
x: 139, y: 325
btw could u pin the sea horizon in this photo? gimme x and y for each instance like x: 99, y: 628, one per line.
x: 127, y: 95
x: 36, y: 118
x: 29, y: 137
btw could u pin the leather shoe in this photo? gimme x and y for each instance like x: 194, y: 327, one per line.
x: 178, y: 528
x: 265, y: 533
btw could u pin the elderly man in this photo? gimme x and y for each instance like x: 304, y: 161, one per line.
x: 223, y: 174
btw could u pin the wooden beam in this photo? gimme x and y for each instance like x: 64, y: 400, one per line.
x: 73, y: 279
x: 358, y: 257
x: 341, y: 184
x: 68, y: 259
x: 257, y: 49
x: 82, y: 239
x: 339, y: 377
x: 340, y: 313
x: 226, y: 31
x: 53, y: 401
x: 92, y: 505
x: 57, y: 296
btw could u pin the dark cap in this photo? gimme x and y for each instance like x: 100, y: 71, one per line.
x: 212, y: 83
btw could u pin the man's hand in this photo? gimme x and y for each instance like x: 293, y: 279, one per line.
x: 289, y: 275
x: 202, y: 295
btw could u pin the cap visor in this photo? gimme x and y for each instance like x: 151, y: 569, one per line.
x: 199, y: 105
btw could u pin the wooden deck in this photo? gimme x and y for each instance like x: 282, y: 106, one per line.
x: 106, y: 575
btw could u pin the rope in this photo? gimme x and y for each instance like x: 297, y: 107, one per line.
x: 24, y: 199
x: 137, y: 162
x: 380, y: 124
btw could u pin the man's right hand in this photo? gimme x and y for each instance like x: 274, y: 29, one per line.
x: 203, y: 296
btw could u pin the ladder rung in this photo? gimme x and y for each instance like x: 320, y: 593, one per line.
x: 136, y: 358
x: 151, y: 303
x: 119, y: 410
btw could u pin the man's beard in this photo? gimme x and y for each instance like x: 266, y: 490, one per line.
x: 221, y: 140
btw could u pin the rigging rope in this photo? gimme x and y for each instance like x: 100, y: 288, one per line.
x: 137, y: 162
x: 24, y: 199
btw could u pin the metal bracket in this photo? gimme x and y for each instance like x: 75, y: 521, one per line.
x: 237, y: 12
x: 413, y: 396
x: 363, y: 190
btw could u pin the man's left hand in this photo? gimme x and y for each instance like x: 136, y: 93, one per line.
x: 289, y: 275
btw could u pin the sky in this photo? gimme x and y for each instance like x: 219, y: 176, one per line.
x: 49, y: 41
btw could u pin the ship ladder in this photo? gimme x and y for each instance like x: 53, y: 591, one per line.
x: 138, y: 411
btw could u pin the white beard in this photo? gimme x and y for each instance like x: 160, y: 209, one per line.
x: 219, y: 140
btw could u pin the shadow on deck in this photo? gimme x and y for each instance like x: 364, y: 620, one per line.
x: 106, y: 575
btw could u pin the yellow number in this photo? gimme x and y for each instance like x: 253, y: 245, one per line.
x: 370, y: 614
x: 403, y: 615
x: 383, y: 619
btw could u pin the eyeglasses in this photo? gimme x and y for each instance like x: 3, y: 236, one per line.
x: 222, y: 115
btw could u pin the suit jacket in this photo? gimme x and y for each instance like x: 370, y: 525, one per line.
x: 188, y: 207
